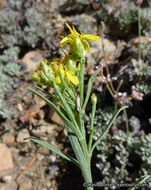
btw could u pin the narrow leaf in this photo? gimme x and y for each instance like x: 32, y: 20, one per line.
x: 81, y: 76
x: 69, y: 91
x: 53, y: 149
x: 3, y: 133
x: 107, y: 127
x: 89, y: 88
x: 47, y: 93
x: 62, y: 116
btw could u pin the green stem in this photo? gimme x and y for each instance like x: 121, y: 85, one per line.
x: 91, y: 126
x: 69, y: 91
x: 81, y: 76
x: 62, y: 116
x: 126, y: 120
x: 83, y: 161
x: 107, y: 128
x: 89, y: 89
x: 110, y: 91
x: 139, y: 32
x: 66, y: 106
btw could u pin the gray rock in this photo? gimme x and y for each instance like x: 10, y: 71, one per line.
x: 44, y: 129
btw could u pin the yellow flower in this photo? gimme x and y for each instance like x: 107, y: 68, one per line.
x: 44, y: 74
x: 80, y: 38
x: 68, y: 75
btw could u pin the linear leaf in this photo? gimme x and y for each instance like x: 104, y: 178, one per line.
x: 53, y: 149
x: 62, y: 116
x: 89, y: 88
x: 107, y: 127
x: 47, y: 93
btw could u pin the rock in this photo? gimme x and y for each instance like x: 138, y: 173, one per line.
x: 52, y: 158
x: 6, y: 178
x: 26, y: 186
x: 6, y: 161
x: 96, y: 55
x: 54, y: 117
x: 8, y: 138
x: 44, y: 129
x: 43, y: 151
x: 54, y: 4
x: 31, y: 60
x: 86, y: 24
x: 24, y: 133
x: 20, y: 107
x: 2, y: 3
x: 10, y: 186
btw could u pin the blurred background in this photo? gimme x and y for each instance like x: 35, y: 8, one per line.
x: 28, y: 34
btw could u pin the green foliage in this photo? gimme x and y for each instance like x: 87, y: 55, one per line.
x: 101, y: 120
x: 21, y: 24
x: 23, y: 28
x: 142, y: 71
x: 123, y: 16
x: 144, y: 88
x: 5, y: 112
x: 124, y: 159
x: 9, y: 54
x: 146, y: 21
x: 8, y: 70
x: 119, y: 15
x: 12, y: 69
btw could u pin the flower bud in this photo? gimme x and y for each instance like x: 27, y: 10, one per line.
x: 93, y: 99
x: 36, y: 78
x: 44, y: 74
x: 77, y: 49
x: 70, y: 64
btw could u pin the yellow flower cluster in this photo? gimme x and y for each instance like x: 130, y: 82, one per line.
x: 47, y: 72
x: 75, y: 38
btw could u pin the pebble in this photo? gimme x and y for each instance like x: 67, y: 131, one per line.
x: 6, y: 178
x: 44, y: 130
x: 7, y: 163
x: 24, y: 133
x: 32, y: 60
x: 20, y: 107
x: 25, y: 186
x: 8, y: 138
x: 52, y: 158
x: 54, y: 117
x: 10, y: 186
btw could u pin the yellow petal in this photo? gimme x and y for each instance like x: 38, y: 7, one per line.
x: 57, y: 79
x: 53, y: 63
x: 62, y: 72
x: 65, y: 41
x: 35, y: 76
x: 74, y: 30
x: 69, y: 27
x: 38, y: 68
x: 86, y: 45
x: 60, y: 36
x: 72, y: 77
x: 89, y: 37
x: 73, y: 35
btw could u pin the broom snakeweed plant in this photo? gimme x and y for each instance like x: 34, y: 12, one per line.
x: 66, y: 76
